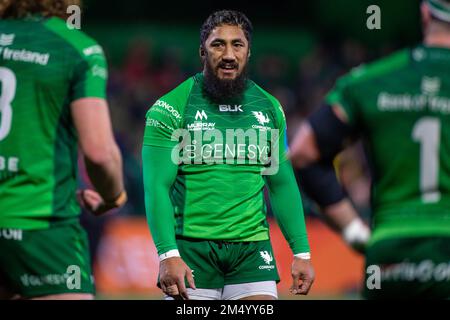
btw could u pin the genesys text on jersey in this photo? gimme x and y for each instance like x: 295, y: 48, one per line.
x: 231, y: 146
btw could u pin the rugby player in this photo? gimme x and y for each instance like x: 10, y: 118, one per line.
x: 210, y: 147
x: 400, y: 107
x: 52, y: 100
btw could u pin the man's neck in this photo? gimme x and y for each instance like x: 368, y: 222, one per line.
x: 438, y: 41
x: 437, y: 36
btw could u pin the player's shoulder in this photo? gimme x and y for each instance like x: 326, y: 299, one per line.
x: 83, y: 44
x: 175, y: 100
x: 182, y: 90
x: 271, y: 100
x: 380, y: 68
x: 263, y: 93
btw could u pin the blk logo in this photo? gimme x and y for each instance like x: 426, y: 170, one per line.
x: 230, y: 108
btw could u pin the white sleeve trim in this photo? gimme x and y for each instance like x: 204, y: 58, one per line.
x: 169, y: 254
x: 303, y: 255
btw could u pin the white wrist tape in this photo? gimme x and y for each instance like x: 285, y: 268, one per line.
x: 303, y: 255
x: 356, y: 232
x: 169, y: 254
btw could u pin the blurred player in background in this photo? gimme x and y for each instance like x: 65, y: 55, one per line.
x: 208, y: 216
x: 52, y: 95
x: 400, y: 106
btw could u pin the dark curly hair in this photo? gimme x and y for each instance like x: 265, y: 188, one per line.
x: 227, y: 17
x: 18, y: 9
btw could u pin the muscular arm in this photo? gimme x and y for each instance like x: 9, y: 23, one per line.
x: 308, y: 148
x: 313, y: 143
x: 343, y: 218
x: 101, y: 153
x: 287, y: 206
x: 304, y: 150
x: 159, y: 175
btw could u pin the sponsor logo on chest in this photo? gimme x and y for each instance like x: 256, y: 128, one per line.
x: 200, y: 122
x: 230, y: 108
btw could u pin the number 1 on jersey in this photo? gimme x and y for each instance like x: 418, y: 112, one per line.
x: 427, y: 131
x: 8, y: 91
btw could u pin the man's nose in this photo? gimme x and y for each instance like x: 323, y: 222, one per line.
x: 229, y: 55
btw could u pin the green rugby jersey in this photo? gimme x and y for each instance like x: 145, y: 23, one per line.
x: 223, y: 151
x: 401, y: 107
x: 44, y: 66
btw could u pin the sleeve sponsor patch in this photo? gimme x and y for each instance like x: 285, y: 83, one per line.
x: 95, y: 49
x: 99, y: 71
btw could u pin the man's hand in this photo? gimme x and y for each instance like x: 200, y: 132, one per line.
x: 302, y: 276
x: 356, y: 234
x: 343, y: 218
x: 172, y: 272
x: 93, y: 202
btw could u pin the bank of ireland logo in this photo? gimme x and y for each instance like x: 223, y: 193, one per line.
x: 6, y: 39
x: 262, y: 119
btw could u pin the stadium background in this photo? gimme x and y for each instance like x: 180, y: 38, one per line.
x: 299, y: 49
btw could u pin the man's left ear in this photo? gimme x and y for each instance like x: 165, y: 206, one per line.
x: 249, y: 53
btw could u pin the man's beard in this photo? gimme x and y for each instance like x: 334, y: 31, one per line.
x: 223, y: 90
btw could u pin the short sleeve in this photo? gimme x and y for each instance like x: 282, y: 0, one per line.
x: 161, y: 121
x: 342, y: 96
x: 166, y: 116
x: 90, y: 74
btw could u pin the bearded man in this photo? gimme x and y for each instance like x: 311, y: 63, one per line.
x: 210, y: 148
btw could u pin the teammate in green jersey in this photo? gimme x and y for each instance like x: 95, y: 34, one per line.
x: 400, y: 105
x: 52, y: 96
x: 210, y: 147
